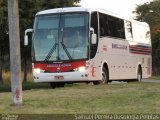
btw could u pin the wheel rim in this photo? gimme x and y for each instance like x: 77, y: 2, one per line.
x: 104, y: 77
x: 139, y: 76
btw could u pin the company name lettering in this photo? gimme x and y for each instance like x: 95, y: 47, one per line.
x: 117, y: 46
x: 59, y: 65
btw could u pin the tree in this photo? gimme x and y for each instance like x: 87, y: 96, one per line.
x: 4, y: 39
x: 150, y: 13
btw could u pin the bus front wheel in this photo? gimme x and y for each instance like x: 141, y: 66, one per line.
x: 56, y: 84
x: 105, y: 77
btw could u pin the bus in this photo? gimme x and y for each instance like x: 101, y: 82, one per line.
x: 78, y: 44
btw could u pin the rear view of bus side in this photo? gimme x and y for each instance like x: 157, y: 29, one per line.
x: 123, y: 47
x: 79, y: 44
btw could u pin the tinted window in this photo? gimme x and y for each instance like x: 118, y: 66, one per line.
x: 111, y: 26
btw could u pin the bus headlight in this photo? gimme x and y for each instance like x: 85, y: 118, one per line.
x: 80, y: 69
x: 38, y: 70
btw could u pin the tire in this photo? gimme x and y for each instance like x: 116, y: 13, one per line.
x: 61, y: 84
x: 139, y: 74
x: 54, y: 84
x: 105, y: 77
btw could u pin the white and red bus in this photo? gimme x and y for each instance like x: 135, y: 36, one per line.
x: 77, y: 44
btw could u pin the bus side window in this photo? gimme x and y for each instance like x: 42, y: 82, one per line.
x: 120, y: 28
x: 104, y: 27
x: 94, y: 22
x: 128, y: 30
x: 111, y: 26
x: 94, y: 25
x: 116, y: 26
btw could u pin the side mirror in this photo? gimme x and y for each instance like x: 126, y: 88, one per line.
x: 26, y: 36
x: 26, y: 40
x: 94, y: 38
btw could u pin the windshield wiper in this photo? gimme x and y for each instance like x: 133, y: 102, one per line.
x: 50, y: 52
x: 65, y: 49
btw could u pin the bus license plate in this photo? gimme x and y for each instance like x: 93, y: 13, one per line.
x: 58, y: 77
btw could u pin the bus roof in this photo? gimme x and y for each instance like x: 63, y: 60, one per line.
x: 84, y: 9
x: 62, y: 10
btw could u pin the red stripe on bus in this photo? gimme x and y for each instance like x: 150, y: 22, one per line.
x: 142, y: 53
x: 136, y: 49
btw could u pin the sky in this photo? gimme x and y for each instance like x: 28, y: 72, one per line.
x: 121, y: 7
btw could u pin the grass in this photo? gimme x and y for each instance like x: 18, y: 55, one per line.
x: 155, y: 77
x: 126, y: 98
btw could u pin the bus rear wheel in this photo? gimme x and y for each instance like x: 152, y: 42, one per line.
x: 105, y: 77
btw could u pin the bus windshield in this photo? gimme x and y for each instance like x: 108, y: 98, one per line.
x: 60, y: 37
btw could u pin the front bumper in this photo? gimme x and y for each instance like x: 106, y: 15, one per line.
x: 77, y: 76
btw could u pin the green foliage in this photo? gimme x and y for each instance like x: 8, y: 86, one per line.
x: 150, y: 13
x: 4, y: 39
x: 3, y: 23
